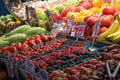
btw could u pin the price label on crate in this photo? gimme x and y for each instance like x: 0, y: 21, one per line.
x: 78, y: 30
x: 43, y: 75
x: 10, y: 69
x: 96, y: 28
x: 16, y: 72
x: 29, y: 67
x: 29, y: 76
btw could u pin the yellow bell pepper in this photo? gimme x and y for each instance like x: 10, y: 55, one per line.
x: 97, y: 3
x: 117, y: 5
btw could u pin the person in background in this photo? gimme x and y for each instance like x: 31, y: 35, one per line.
x: 3, y: 9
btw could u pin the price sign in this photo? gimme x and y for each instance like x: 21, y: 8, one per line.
x: 15, y: 67
x: 78, y: 30
x: 49, y: 17
x: 43, y: 75
x: 29, y: 67
x: 10, y: 69
x: 34, y: 15
x: 96, y: 28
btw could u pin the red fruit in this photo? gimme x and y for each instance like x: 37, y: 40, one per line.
x: 24, y: 46
x: 85, y: 4
x: 64, y: 11
x: 18, y: 45
x: 6, y: 53
x: 106, y: 20
x: 44, y: 38
x: 56, y: 16
x: 54, y: 74
x: 116, y: 56
x: 79, y: 8
x: 4, y: 49
x: 38, y: 41
x: 36, y: 36
x: 103, y: 29
x: 12, y: 49
x: 92, y: 61
x: 73, y: 71
x: 109, y: 10
x: 58, y: 79
x: 73, y: 77
x: 50, y: 37
x: 31, y: 43
x: 25, y: 39
x: 64, y: 19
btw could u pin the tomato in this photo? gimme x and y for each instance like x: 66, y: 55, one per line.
x: 44, y: 38
x: 4, y: 48
x: 36, y: 36
x: 18, y: 45
x: 37, y: 41
x: 24, y: 46
x: 106, y: 20
x: 25, y: 39
x: 103, y: 29
x: 6, y: 53
x: 50, y: 37
x: 31, y: 43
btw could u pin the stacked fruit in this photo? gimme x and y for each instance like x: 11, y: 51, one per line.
x: 16, y: 35
x: 91, y: 69
x: 113, y: 32
x: 26, y: 43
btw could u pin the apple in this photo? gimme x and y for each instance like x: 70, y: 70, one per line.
x: 106, y: 20
x: 56, y: 16
x: 109, y: 10
x: 64, y: 11
x: 85, y: 4
x: 79, y: 8
x: 64, y: 19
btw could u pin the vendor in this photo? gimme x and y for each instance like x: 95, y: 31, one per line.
x: 3, y: 9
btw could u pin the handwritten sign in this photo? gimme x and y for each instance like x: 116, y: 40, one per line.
x: 96, y: 28
x: 78, y: 30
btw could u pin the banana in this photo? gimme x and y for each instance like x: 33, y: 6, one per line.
x: 113, y: 28
x: 116, y: 39
x: 111, y: 36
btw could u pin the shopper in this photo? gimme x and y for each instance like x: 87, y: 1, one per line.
x: 3, y: 9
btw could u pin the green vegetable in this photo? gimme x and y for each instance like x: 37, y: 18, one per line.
x: 4, y: 43
x: 35, y: 30
x: 15, y: 38
x: 20, y: 29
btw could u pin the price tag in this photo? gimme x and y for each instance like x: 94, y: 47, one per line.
x: 43, y: 75
x: 27, y: 12
x: 15, y: 67
x: 34, y: 16
x: 49, y: 17
x: 29, y: 76
x: 78, y: 30
x: 96, y: 28
x: 10, y: 69
x: 29, y: 67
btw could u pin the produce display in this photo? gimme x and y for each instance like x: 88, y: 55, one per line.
x: 74, y: 40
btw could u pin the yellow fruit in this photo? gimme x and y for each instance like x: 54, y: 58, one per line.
x: 117, y: 5
x: 79, y: 18
x: 97, y: 3
x: 83, y: 11
x: 70, y: 14
x: 94, y: 10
